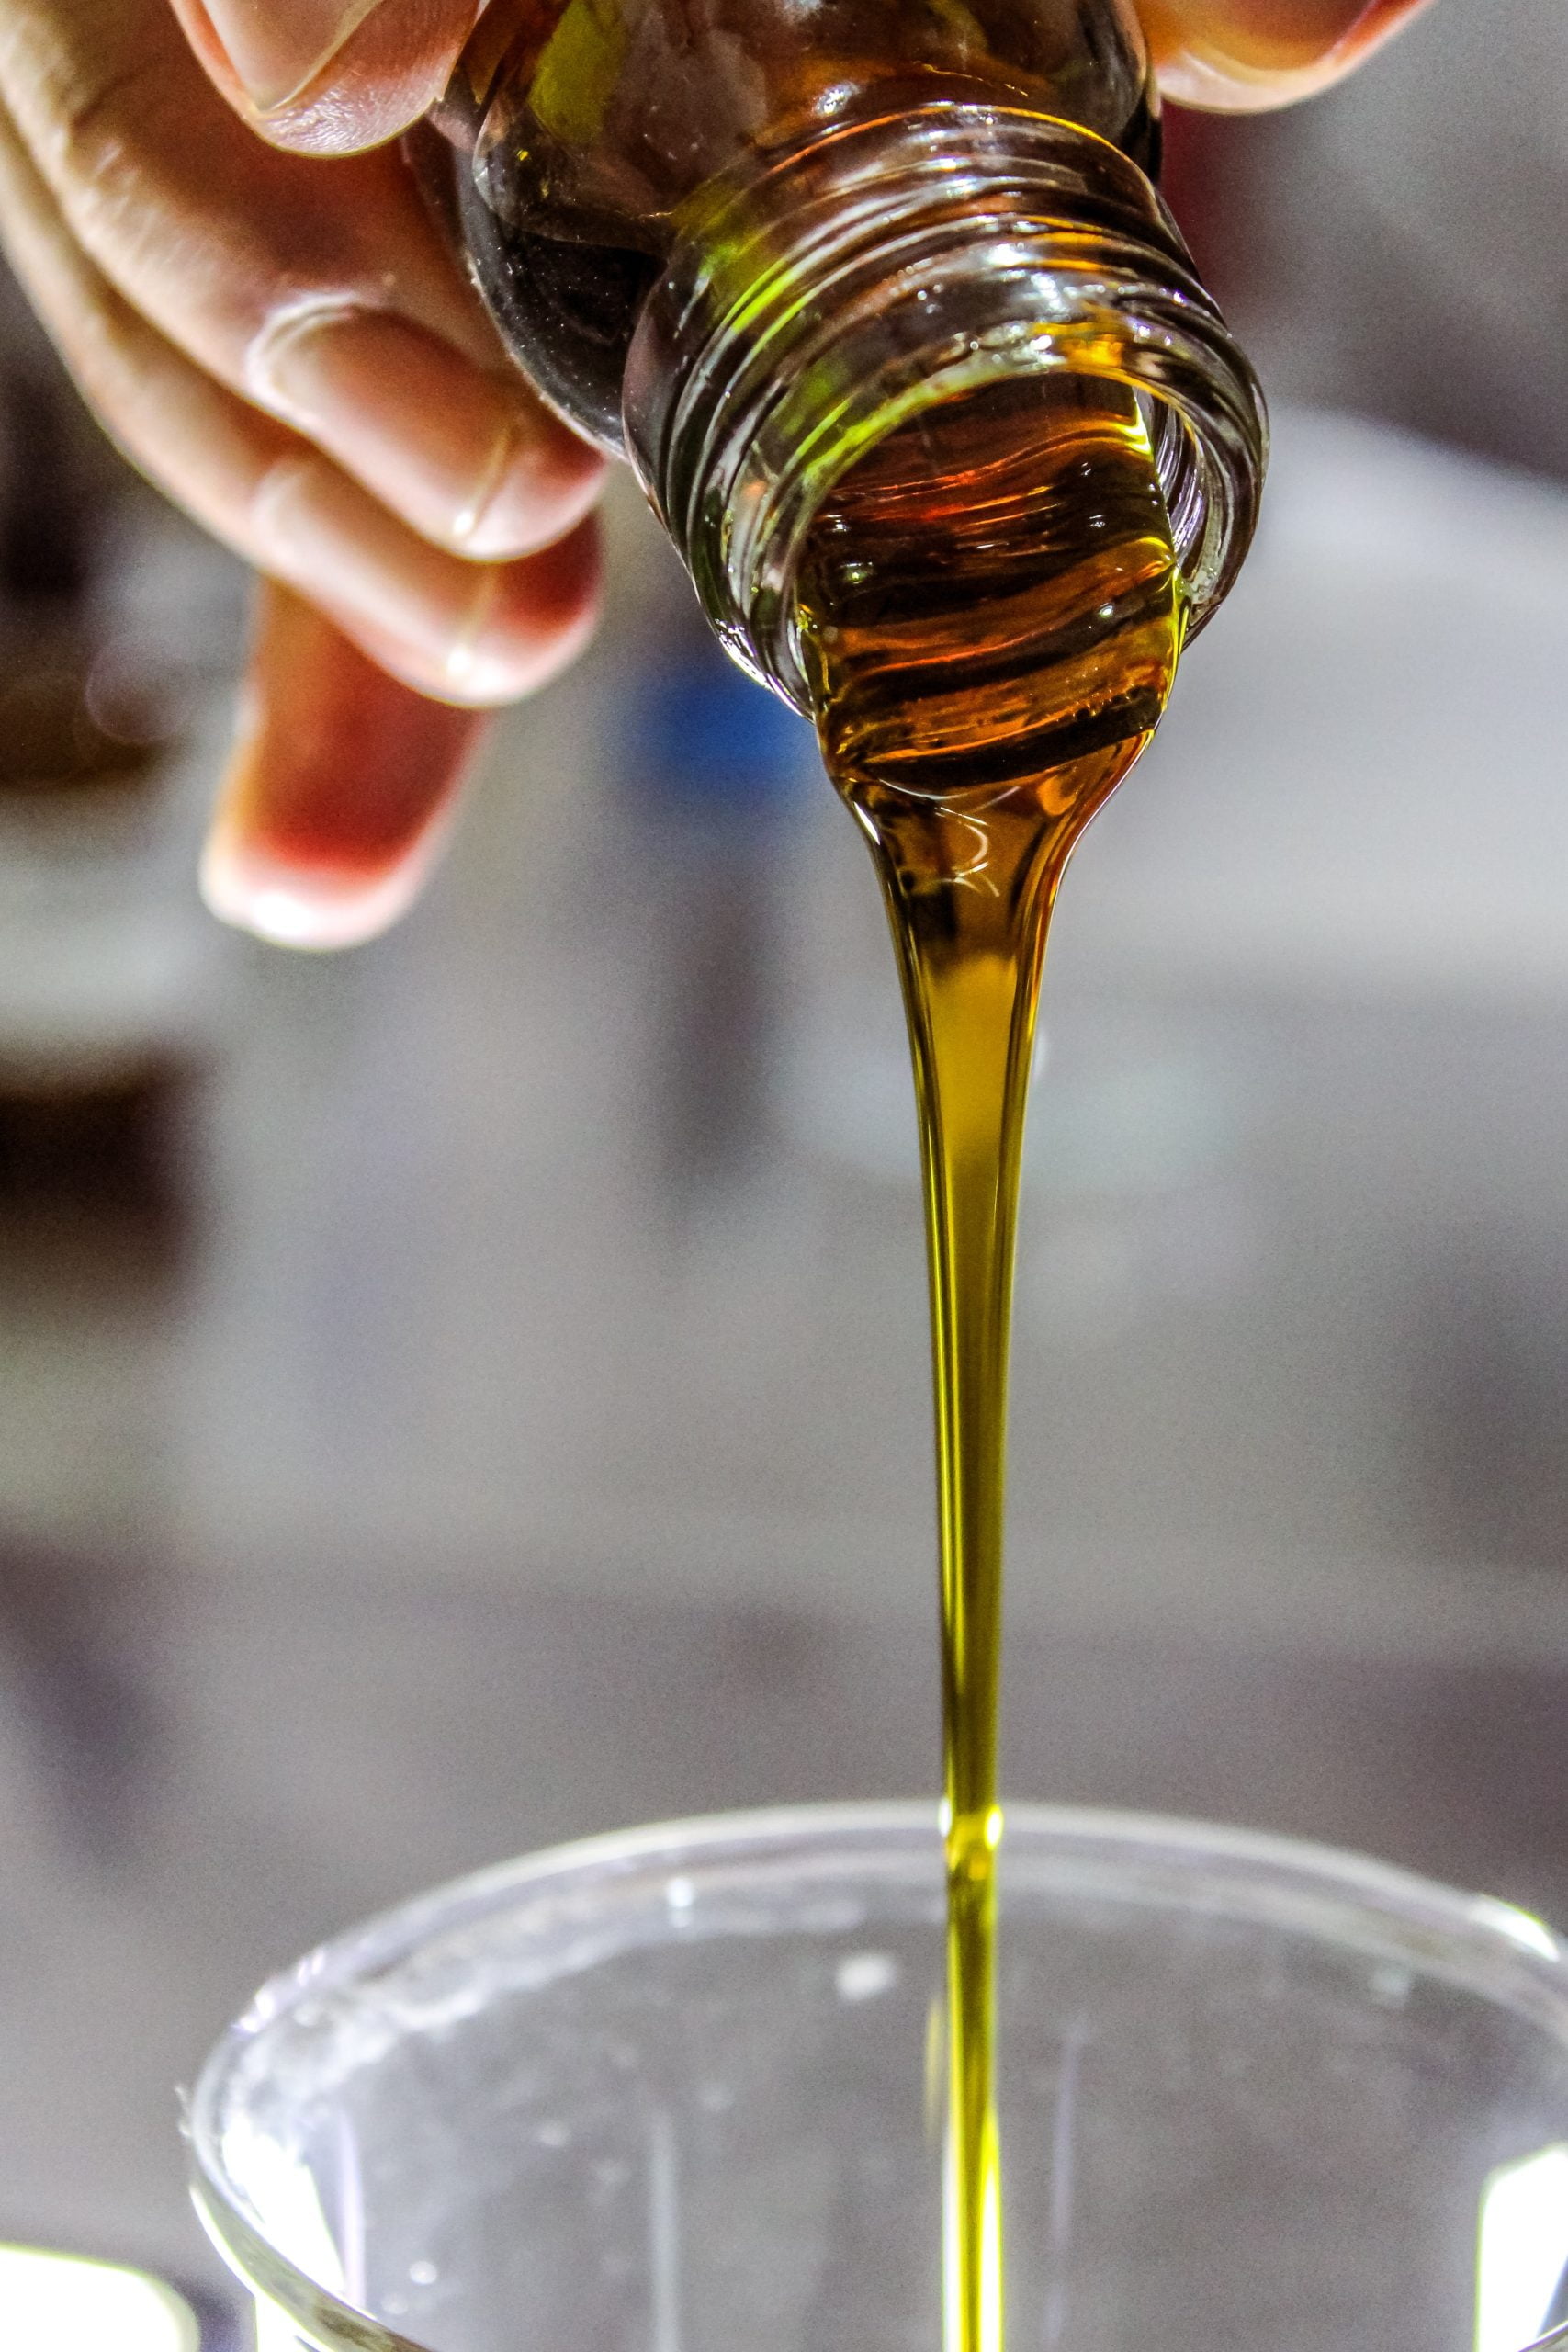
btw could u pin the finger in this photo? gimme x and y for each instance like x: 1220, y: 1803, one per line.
x: 470, y: 633
x: 339, y: 789
x: 1239, y: 55
x: 319, y: 292
x: 471, y: 459
x: 329, y: 77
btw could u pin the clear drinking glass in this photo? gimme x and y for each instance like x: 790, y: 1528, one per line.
x: 680, y: 2091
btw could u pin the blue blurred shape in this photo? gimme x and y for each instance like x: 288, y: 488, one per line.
x: 702, y: 738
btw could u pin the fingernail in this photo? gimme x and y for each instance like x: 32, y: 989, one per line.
x: 338, y: 791
x: 468, y: 633
x: 473, y: 460
x: 331, y: 542
x: 1378, y: 20
x: 277, y: 47
x: 293, y: 910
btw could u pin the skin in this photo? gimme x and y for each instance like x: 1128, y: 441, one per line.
x: 199, y: 199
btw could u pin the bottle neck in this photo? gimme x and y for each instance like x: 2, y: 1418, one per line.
x: 814, y: 302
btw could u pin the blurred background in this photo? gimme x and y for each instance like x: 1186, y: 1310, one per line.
x: 472, y: 1391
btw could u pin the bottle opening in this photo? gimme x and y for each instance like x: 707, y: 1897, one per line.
x: 817, y: 307
x: 992, y: 593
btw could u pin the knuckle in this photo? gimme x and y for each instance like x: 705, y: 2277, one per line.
x: 105, y: 94
x: 85, y: 120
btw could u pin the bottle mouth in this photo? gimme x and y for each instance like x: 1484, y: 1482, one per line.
x: 815, y: 303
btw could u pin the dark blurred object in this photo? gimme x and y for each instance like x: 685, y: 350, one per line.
x: 110, y: 1148
x: 76, y: 708
x: 59, y: 476
x: 1214, y: 169
x: 46, y: 548
x: 95, y: 1091
x: 63, y: 731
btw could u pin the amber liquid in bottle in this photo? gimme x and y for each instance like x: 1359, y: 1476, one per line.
x: 586, y: 128
x: 991, y: 616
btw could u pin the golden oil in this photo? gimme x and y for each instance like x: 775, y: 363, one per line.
x: 991, y: 616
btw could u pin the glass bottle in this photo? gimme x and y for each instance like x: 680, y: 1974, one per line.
x: 740, y: 242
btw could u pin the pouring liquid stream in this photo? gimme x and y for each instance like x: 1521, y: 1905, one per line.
x: 991, y: 617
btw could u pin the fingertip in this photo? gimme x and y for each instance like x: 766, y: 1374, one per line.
x: 462, y: 633
x: 550, y: 602
x: 336, y: 799
x: 300, y: 92
x: 544, y: 481
x: 314, y: 911
x: 534, y: 617
x: 467, y: 455
x: 1246, y: 56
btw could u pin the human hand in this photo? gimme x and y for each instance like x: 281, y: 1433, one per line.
x: 273, y: 330
x: 1244, y: 55
x: 285, y: 346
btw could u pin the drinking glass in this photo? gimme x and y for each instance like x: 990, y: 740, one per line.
x: 681, y: 2090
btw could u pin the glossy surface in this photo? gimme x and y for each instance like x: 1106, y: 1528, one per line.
x: 644, y: 1507
x: 593, y: 124
x: 991, y: 617
x: 659, y: 2089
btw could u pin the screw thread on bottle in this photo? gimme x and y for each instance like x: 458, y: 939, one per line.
x: 818, y: 300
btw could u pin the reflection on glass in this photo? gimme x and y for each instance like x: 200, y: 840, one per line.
x: 1529, y: 1933
x: 275, y: 2330
x: 288, y: 2202
x: 58, y: 2302
x: 1523, y: 2251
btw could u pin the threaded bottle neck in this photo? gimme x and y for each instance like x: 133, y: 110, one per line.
x: 817, y: 301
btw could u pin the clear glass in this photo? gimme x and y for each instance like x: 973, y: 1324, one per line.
x: 588, y: 130
x: 816, y: 305
x: 743, y: 244
x: 675, y: 2092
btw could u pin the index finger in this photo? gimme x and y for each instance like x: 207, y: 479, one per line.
x: 1243, y: 55
x: 329, y: 77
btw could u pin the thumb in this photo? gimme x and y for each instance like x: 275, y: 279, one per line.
x: 329, y: 77
x: 1240, y: 55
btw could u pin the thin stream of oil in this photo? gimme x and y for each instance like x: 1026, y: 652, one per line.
x: 991, y: 617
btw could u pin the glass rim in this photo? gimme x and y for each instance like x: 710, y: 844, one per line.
x: 1340, y: 1899
x: 892, y: 263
